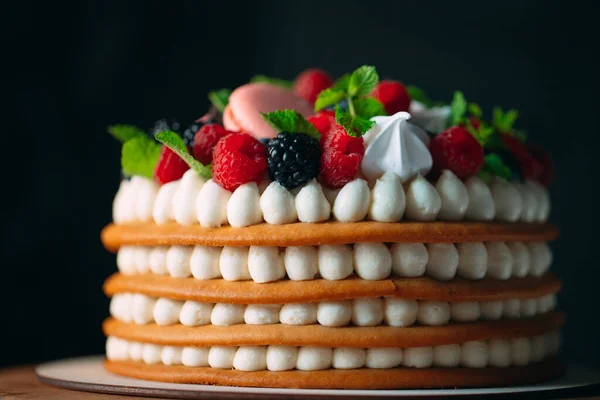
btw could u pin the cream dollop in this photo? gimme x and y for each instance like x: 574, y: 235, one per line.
x: 212, y: 205
x: 388, y: 200
x: 432, y: 119
x: 352, y: 202
x: 507, y: 199
x: 311, y: 204
x: 278, y: 205
x: 184, y: 204
x: 147, y: 190
x: 481, y: 203
x: 120, y: 202
x: 243, y: 207
x: 163, y: 205
x: 396, y: 145
x: 423, y: 203
x: 454, y: 196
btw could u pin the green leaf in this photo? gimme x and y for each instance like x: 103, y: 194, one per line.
x: 482, y: 134
x: 273, y: 81
x: 495, y: 166
x: 504, y: 121
x: 342, y: 83
x: 174, y: 142
x: 418, y: 94
x: 368, y: 107
x: 355, y: 126
x: 139, y: 156
x: 290, y: 121
x: 125, y: 132
x: 458, y: 108
x: 362, y: 81
x: 219, y: 98
x: 329, y: 97
x: 474, y: 110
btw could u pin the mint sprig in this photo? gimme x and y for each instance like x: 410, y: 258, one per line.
x: 355, y: 125
x: 504, y: 121
x: 419, y: 95
x: 494, y: 166
x: 139, y: 156
x: 290, y: 121
x: 362, y: 81
x: 458, y: 108
x: 124, y: 133
x: 342, y: 83
x: 174, y: 142
x: 273, y: 81
x: 329, y: 97
x: 368, y: 107
x: 219, y: 98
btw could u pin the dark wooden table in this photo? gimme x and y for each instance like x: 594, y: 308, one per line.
x: 21, y: 383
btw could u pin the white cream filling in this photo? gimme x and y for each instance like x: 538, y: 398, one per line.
x: 141, y: 309
x: 370, y: 261
x: 499, y: 353
x: 190, y: 200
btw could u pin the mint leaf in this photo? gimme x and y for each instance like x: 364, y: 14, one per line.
x: 355, y: 126
x: 174, y: 142
x: 458, y: 108
x: 219, y: 98
x: 139, y: 156
x: 483, y: 133
x: 475, y: 110
x: 273, y: 81
x: 125, y: 132
x: 368, y: 107
x: 342, y: 83
x: 495, y: 166
x: 290, y: 121
x: 329, y: 97
x: 504, y: 121
x: 362, y: 81
x: 418, y: 94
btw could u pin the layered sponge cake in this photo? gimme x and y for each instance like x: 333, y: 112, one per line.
x: 342, y: 234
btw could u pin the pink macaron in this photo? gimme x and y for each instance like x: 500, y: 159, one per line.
x: 246, y: 103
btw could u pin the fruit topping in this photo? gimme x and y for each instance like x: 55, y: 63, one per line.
x: 456, y: 149
x: 293, y: 158
x: 170, y: 166
x: 393, y: 95
x: 238, y: 158
x: 310, y: 83
x: 323, y: 120
x: 341, y: 157
x: 205, y: 140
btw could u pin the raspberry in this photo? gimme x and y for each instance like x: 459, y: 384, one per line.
x: 393, y: 95
x: 311, y: 82
x: 547, y: 175
x: 238, y: 158
x: 293, y: 159
x: 457, y: 150
x: 323, y: 121
x: 205, y: 140
x: 530, y: 167
x: 170, y: 166
x: 341, y: 158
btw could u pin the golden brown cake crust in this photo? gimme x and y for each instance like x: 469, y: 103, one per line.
x: 397, y: 378
x: 317, y: 335
x: 300, y: 234
x: 286, y: 291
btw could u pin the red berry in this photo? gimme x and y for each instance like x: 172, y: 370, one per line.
x: 311, y: 82
x: 530, y: 167
x: 238, y: 158
x: 341, y: 157
x: 170, y: 166
x: 393, y: 95
x: 457, y: 150
x: 475, y: 123
x: 323, y: 121
x: 205, y: 140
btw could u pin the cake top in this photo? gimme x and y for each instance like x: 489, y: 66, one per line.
x: 333, y: 131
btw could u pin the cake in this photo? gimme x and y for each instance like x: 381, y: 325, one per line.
x: 347, y: 234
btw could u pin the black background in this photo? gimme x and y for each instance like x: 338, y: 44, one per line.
x: 73, y: 69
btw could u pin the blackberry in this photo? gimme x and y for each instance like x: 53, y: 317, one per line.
x: 164, y: 124
x: 293, y: 158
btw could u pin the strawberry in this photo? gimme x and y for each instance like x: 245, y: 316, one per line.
x: 341, y: 157
x: 311, y: 82
x: 546, y: 177
x: 530, y: 167
x: 393, y: 95
x: 456, y: 149
x: 170, y: 166
x: 323, y: 121
x: 238, y: 158
x: 205, y: 140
